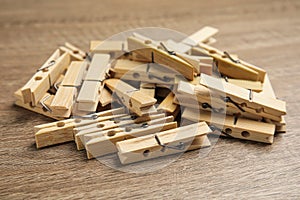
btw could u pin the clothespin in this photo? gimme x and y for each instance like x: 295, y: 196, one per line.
x: 204, y: 35
x: 201, y: 36
x: 75, y: 52
x: 146, y: 72
x: 62, y: 131
x: 164, y: 143
x: 66, y: 92
x: 93, y: 83
x: 103, y: 142
x: 131, y: 97
x: 121, y: 121
x: 160, y: 55
x: 255, y: 86
x: 168, y: 106
x: 148, y: 89
x: 228, y: 66
x: 45, y: 77
x: 268, y: 91
x: 233, y: 126
x: 112, y: 47
x: 235, y: 97
x: 40, y: 107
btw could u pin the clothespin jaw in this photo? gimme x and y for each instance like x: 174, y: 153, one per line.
x: 163, y: 143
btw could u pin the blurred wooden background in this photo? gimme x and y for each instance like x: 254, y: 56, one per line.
x: 265, y: 33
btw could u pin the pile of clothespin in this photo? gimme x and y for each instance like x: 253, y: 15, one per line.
x: 143, y: 98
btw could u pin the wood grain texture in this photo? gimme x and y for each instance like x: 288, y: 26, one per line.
x: 264, y: 33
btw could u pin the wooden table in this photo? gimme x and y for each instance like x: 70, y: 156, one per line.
x: 265, y: 33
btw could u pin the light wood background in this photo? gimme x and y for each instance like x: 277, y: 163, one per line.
x: 265, y: 33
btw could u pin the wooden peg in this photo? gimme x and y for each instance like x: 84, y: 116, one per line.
x: 74, y: 74
x: 98, y: 67
x: 157, y: 55
x: 38, y: 108
x: 105, y: 144
x: 62, y: 131
x: 228, y: 66
x: 148, y: 73
x: 131, y: 97
x: 88, y: 96
x: 168, y: 106
x: 163, y: 143
x: 108, y: 47
x: 121, y: 121
x: 105, y: 97
x: 148, y: 89
x: 233, y: 126
x: 46, y: 76
x: 256, y: 86
x: 73, y: 51
x: 202, y: 35
x: 249, y: 101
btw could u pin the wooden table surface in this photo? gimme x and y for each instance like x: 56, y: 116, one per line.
x: 265, y: 33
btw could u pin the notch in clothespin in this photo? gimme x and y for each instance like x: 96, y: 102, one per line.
x: 164, y: 143
x: 117, y: 121
x: 62, y: 131
x: 229, y: 66
x: 131, y: 97
x: 93, y: 83
x: 103, y: 142
x: 233, y: 126
x: 159, y: 54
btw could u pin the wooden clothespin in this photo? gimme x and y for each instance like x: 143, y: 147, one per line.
x: 233, y: 126
x: 112, y: 47
x: 159, y: 54
x: 164, y: 143
x: 228, y: 66
x: 201, y: 36
x: 235, y: 97
x: 148, y: 89
x: 146, y: 72
x: 204, y: 35
x: 117, y: 121
x: 62, y: 131
x: 45, y: 77
x: 168, y: 106
x: 255, y: 86
x: 103, y: 142
x: 66, y: 92
x: 131, y: 97
x: 93, y: 83
x: 268, y: 91
x: 74, y: 52
x: 43, y: 107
